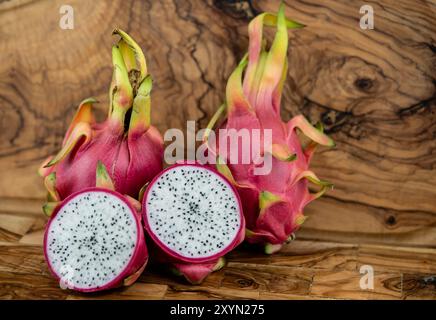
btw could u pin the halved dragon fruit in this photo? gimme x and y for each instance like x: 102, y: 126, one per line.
x: 126, y: 142
x: 194, y: 217
x: 94, y: 239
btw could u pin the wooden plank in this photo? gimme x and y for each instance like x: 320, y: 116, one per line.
x: 29, y: 286
x: 346, y: 285
x: 21, y: 221
x: 23, y: 260
x: 302, y: 253
x: 265, y: 278
x: 24, y: 274
x: 6, y: 236
x: 39, y: 286
x: 336, y: 220
x: 34, y: 238
x: 210, y: 288
x: 19, y: 225
x: 402, y: 259
x: 21, y: 205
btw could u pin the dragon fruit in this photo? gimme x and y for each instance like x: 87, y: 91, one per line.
x: 125, y: 142
x: 273, y: 203
x: 194, y: 217
x: 94, y: 239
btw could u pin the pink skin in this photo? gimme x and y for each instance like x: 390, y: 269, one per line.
x: 277, y: 222
x: 194, y: 269
x: 138, y: 259
x: 267, y: 228
x: 131, y: 161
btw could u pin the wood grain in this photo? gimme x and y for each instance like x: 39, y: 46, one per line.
x: 24, y: 275
x: 403, y: 259
x: 419, y: 286
x: 307, y: 254
x: 345, y: 285
x: 374, y: 90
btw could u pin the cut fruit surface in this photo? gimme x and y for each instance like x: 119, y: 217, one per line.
x: 193, y: 213
x: 94, y: 240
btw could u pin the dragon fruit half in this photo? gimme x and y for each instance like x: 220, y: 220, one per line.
x: 194, y: 217
x: 94, y: 239
x: 273, y: 203
x: 126, y: 143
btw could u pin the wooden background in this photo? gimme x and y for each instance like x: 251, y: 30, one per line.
x: 374, y: 90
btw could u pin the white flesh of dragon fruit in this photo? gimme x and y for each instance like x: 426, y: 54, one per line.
x: 91, y: 239
x: 193, y: 212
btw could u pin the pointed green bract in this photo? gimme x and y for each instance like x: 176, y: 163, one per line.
x: 252, y: 90
x: 49, y: 207
x: 50, y: 185
x: 234, y: 92
x: 267, y: 199
x: 121, y: 89
x: 83, y: 114
x: 310, y: 131
x: 277, y: 93
x: 222, y: 168
x: 142, y: 192
x: 248, y: 233
x: 270, y: 19
x: 310, y: 175
x: 140, y: 118
x: 135, y: 204
x: 133, y: 277
x: 141, y: 64
x: 272, y: 248
x: 282, y: 153
x: 43, y: 170
x: 213, y: 121
x: 135, y: 76
x: 211, y: 147
x: 103, y: 180
x: 80, y: 134
x: 256, y: 48
x: 220, y: 264
x: 300, y: 219
x: 275, y: 61
x: 128, y: 55
x: 310, y: 148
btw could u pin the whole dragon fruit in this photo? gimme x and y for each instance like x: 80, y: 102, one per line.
x: 94, y: 239
x: 125, y: 142
x: 273, y: 203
